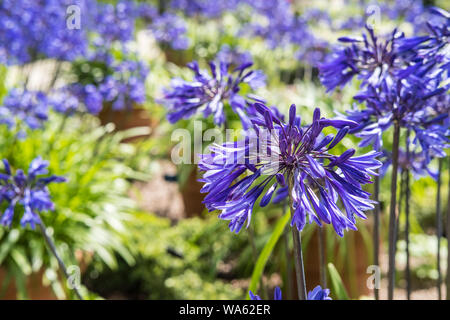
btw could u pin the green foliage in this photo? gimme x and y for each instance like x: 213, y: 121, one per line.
x: 90, y: 209
x: 182, y: 261
x: 338, y: 290
x: 267, y: 251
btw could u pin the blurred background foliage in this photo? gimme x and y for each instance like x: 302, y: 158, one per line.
x: 125, y: 252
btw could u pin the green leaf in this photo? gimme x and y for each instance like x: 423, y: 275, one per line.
x: 338, y: 286
x: 267, y: 251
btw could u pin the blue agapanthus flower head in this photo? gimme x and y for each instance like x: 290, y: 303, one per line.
x: 294, y: 159
x: 316, y: 294
x: 116, y: 22
x: 29, y: 107
x: 28, y: 190
x: 32, y: 29
x: 428, y: 55
x: 319, y: 294
x: 211, y: 92
x: 170, y: 29
x: 370, y: 58
x: 209, y: 9
x: 415, y: 162
x: 277, y: 295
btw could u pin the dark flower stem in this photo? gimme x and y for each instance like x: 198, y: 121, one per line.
x: 439, y: 229
x: 289, y: 280
x: 407, y: 198
x: 298, y: 254
x: 52, y: 248
x: 448, y: 233
x: 322, y: 257
x: 376, y: 227
x: 392, y: 211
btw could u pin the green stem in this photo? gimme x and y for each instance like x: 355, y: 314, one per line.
x: 407, y: 198
x: 393, y: 211
x: 376, y: 227
x: 61, y: 264
x: 439, y: 230
x: 298, y: 254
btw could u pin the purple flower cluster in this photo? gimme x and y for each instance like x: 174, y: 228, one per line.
x: 126, y: 86
x: 29, y: 107
x: 31, y: 29
x: 28, y: 190
x: 122, y: 86
x: 170, y: 29
x: 403, y: 80
x: 316, y: 294
x: 285, y: 27
x: 116, y: 22
x: 286, y: 156
x: 209, y: 92
x: 209, y: 9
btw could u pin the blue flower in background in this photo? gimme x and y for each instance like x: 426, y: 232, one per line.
x: 277, y: 154
x: 63, y: 101
x: 126, y: 86
x: 403, y: 80
x: 415, y: 162
x: 209, y: 92
x: 170, y: 29
x: 116, y: 22
x: 316, y: 294
x: 319, y: 294
x: 28, y: 190
x: 371, y: 59
x: 276, y: 295
x: 29, y: 107
x: 30, y: 29
x: 210, y: 9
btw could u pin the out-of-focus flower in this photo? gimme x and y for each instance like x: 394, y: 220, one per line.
x: 415, y: 162
x: 278, y: 154
x: 170, y: 29
x: 63, y: 101
x: 233, y: 56
x: 28, y: 190
x: 209, y: 9
x: 89, y: 95
x: 29, y: 107
x: 210, y: 92
x: 316, y: 294
x: 116, y: 22
x: 31, y: 29
x: 126, y: 86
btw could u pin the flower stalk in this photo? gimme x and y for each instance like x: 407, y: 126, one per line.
x: 298, y: 254
x: 439, y: 230
x: 407, y: 198
x: 376, y: 227
x: 392, y: 211
x: 61, y: 264
x: 448, y: 231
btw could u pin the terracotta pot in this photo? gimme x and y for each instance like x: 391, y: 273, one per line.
x: 192, y: 197
x: 127, y: 119
x: 180, y: 58
x: 352, y: 268
x: 35, y: 289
